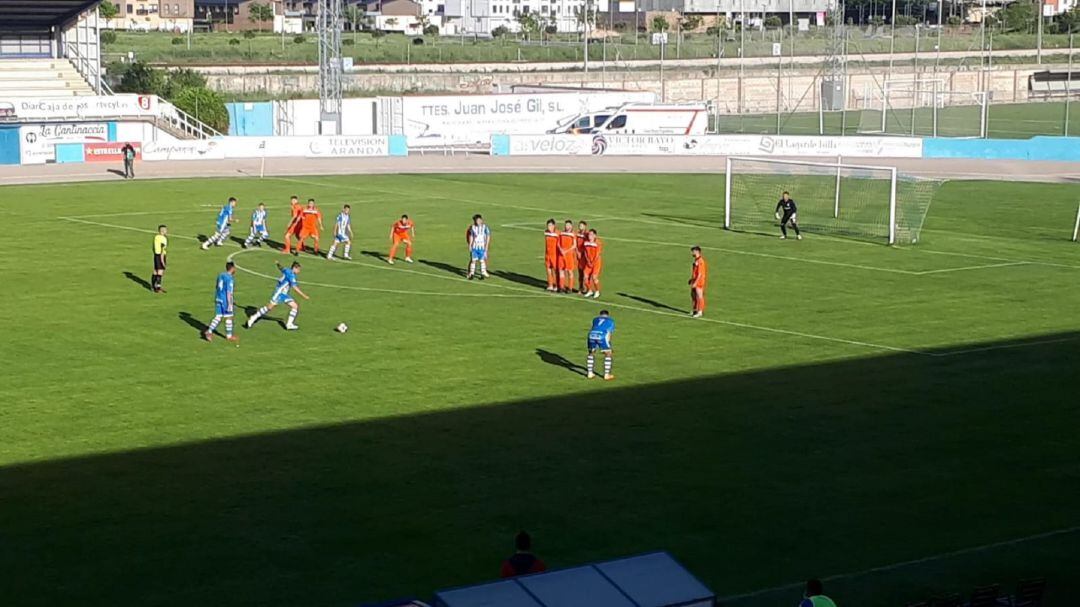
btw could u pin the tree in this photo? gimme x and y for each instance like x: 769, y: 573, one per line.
x: 143, y: 79
x: 1016, y: 17
x: 108, y: 11
x: 500, y: 32
x: 529, y: 24
x: 181, y: 79
x: 391, y: 23
x: 690, y: 22
x: 261, y: 12
x: 421, y: 24
x: 660, y: 24
x: 205, y: 105
x: 585, y: 16
x: 773, y: 22
x: 1069, y: 22
x: 354, y: 16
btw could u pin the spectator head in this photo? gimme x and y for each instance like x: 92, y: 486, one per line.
x: 523, y: 542
x: 814, y: 588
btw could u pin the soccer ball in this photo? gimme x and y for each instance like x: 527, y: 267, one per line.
x: 341, y: 328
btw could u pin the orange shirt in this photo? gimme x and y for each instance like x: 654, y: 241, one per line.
x: 592, y: 253
x: 297, y: 208
x: 551, y: 244
x: 581, y: 244
x: 699, y: 273
x: 567, y: 241
x: 401, y: 229
x: 311, y: 219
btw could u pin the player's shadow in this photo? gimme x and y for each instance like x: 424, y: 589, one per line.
x: 117, y: 172
x: 651, y: 302
x: 559, y: 360
x: 250, y: 311
x: 521, y: 279
x: 138, y: 280
x: 193, y: 322
x: 445, y: 267
x: 689, y: 221
x: 374, y: 254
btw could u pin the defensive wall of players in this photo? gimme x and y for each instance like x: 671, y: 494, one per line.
x: 94, y: 129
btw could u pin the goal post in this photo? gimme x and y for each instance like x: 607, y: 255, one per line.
x: 924, y: 107
x: 866, y: 202
x: 1076, y: 226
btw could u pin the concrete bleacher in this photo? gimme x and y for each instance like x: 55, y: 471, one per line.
x: 41, y: 78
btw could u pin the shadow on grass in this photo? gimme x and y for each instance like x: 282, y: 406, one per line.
x: 135, y: 278
x: 374, y: 255
x: 654, y: 303
x: 193, y: 322
x: 445, y: 267
x: 521, y: 279
x: 751, y: 479
x: 559, y: 360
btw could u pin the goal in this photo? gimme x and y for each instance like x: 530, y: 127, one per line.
x: 864, y: 202
x: 924, y: 107
x: 1076, y: 226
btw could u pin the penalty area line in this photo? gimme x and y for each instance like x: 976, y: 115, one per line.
x: 910, y: 563
x: 233, y: 255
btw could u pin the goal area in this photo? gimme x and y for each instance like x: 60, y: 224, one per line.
x: 863, y: 202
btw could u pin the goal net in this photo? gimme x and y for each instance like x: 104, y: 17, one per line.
x: 924, y: 108
x: 873, y: 203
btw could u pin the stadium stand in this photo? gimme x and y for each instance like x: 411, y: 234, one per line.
x: 41, y: 78
x: 49, y: 48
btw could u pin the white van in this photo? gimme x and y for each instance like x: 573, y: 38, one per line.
x: 642, y: 119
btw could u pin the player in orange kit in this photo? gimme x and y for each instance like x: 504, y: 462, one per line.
x: 582, y: 236
x: 403, y: 231
x: 698, y: 276
x: 293, y: 228
x: 310, y: 225
x: 567, y: 262
x: 593, y: 262
x: 551, y: 255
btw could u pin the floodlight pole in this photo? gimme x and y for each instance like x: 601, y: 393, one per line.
x: 329, y: 28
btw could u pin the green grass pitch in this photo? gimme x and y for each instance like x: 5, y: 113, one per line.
x: 842, y: 407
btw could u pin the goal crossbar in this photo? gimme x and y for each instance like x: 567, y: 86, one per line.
x: 847, y: 199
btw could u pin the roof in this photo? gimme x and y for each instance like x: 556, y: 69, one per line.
x: 20, y: 15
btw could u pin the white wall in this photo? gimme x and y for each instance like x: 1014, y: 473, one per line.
x: 357, y: 117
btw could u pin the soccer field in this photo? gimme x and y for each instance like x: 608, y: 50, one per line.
x: 901, y: 418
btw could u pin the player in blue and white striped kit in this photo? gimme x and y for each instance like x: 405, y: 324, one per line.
x: 600, y: 341
x: 223, y: 303
x: 479, y: 238
x: 258, y: 233
x: 342, y: 233
x: 224, y: 220
x: 281, y: 296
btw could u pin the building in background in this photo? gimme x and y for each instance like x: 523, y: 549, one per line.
x: 153, y: 15
x: 482, y: 17
x: 234, y: 15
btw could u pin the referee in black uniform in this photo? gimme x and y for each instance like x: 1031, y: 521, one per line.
x: 161, y: 246
x: 786, y: 205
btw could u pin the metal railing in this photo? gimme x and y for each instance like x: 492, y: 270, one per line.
x: 181, y: 124
x: 90, y: 70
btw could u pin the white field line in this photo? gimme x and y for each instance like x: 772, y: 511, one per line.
x: 1025, y: 344
x: 381, y: 290
x: 982, y: 267
x: 118, y: 227
x: 990, y: 258
x: 531, y: 292
x: 518, y: 226
x: 910, y: 563
x: 651, y: 222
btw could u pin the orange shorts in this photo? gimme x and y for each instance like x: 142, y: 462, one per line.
x: 698, y: 285
x: 566, y: 263
x: 593, y: 270
x: 401, y: 239
x: 551, y: 263
x: 308, y: 234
